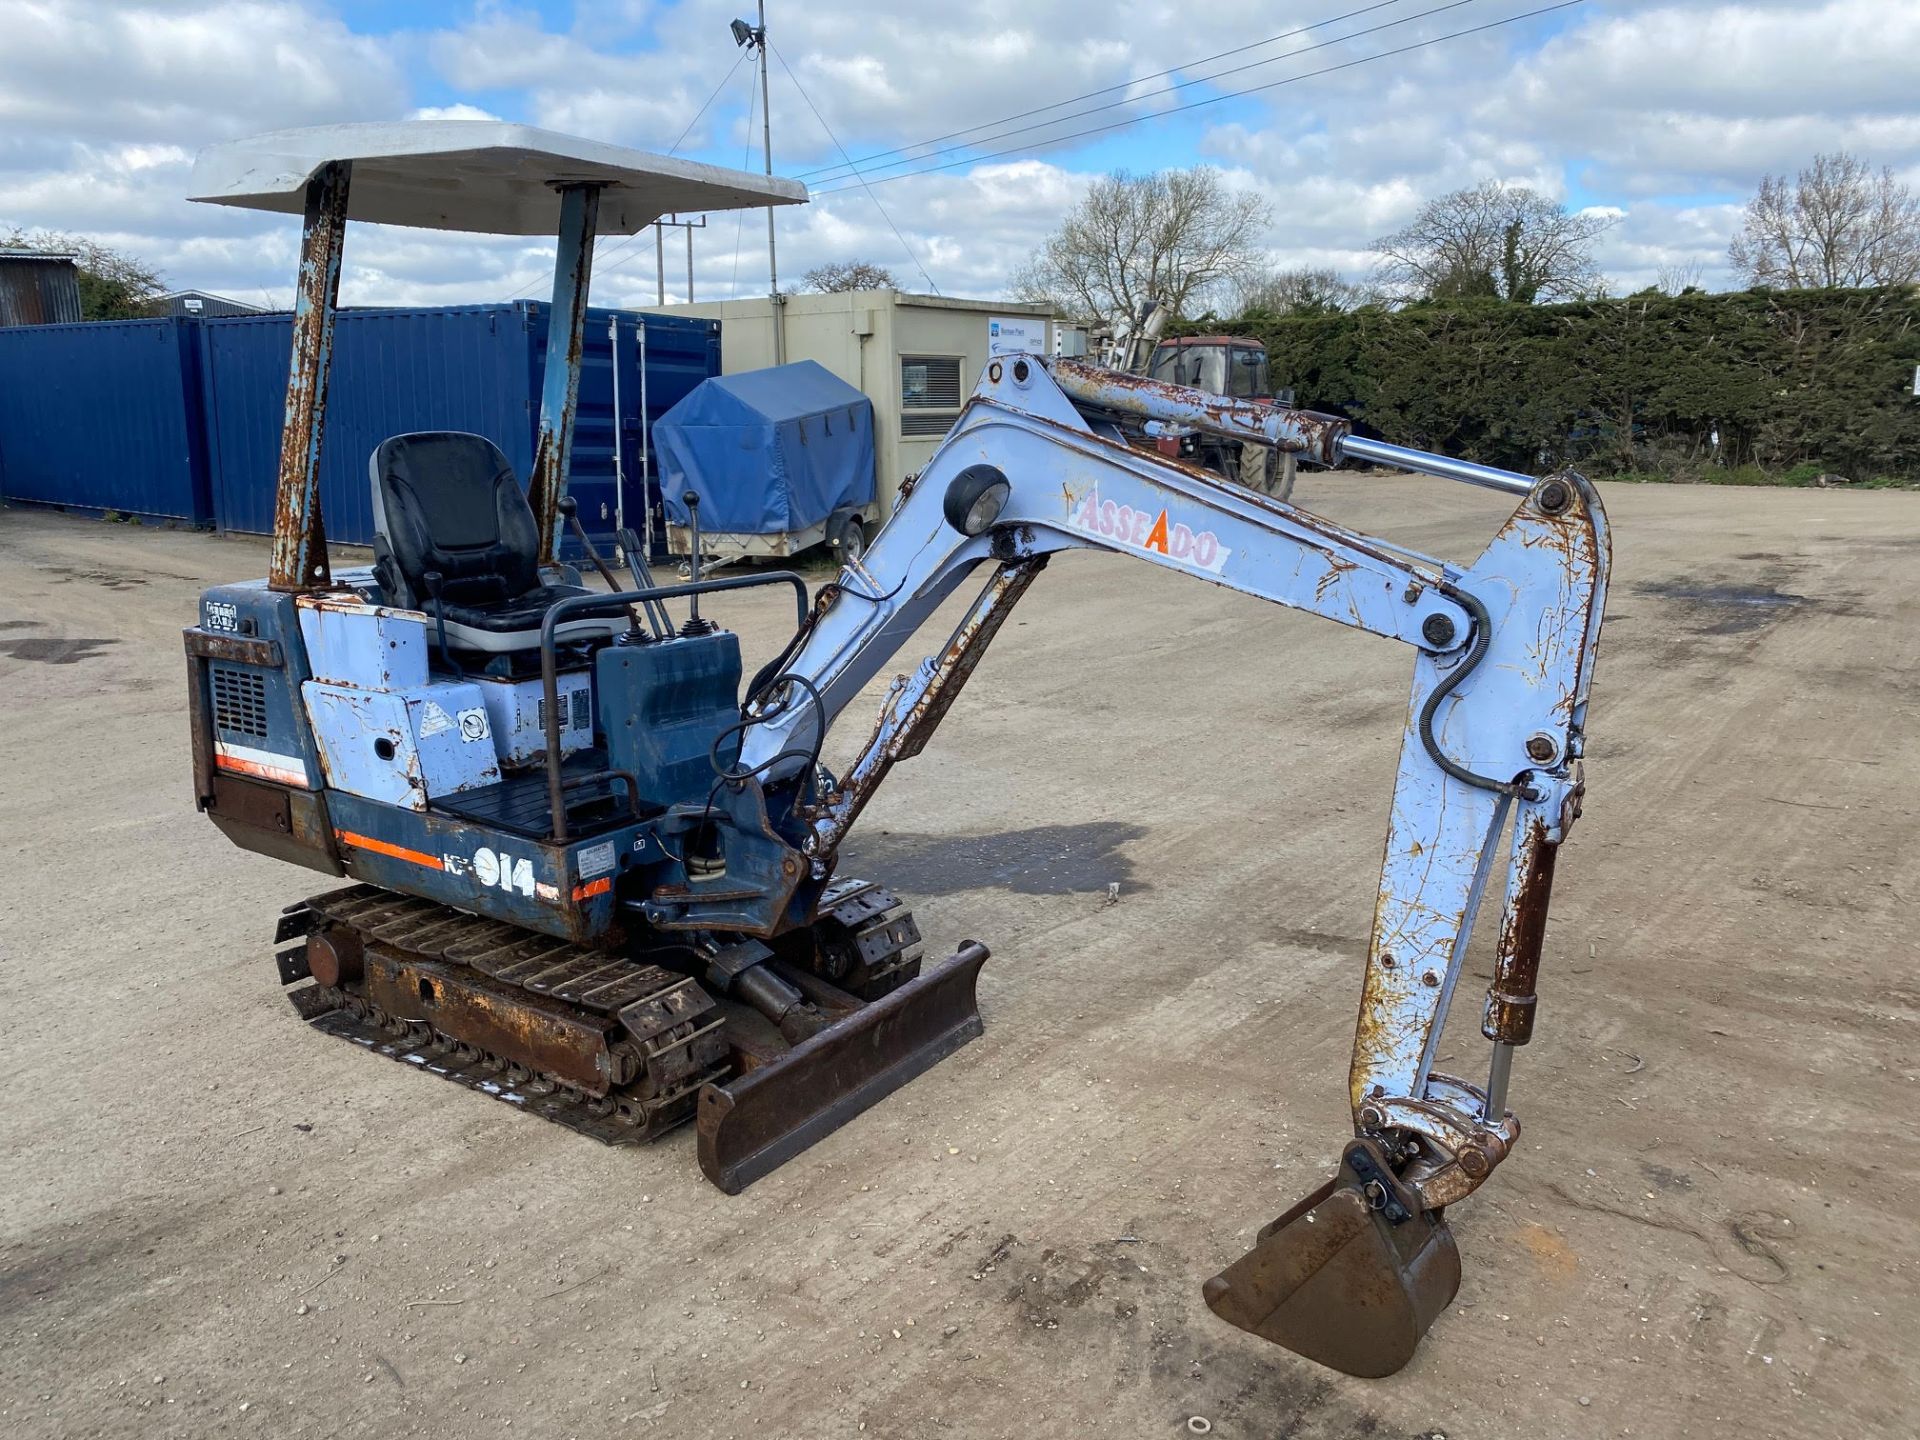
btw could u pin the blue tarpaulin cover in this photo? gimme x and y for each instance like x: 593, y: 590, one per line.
x: 767, y: 451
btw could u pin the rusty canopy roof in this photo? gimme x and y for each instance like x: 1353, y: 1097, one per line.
x: 489, y: 176
x: 1246, y: 340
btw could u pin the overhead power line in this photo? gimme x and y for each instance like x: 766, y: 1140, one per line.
x: 603, y: 268
x: 740, y: 216
x: 1171, y: 89
x: 843, y: 151
x: 739, y: 57
x: 601, y: 262
x: 1104, y: 90
x: 1216, y: 99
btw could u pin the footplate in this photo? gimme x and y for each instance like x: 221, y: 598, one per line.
x: 755, y: 1122
x: 1351, y: 1277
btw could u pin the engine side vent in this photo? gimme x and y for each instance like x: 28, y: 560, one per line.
x: 240, y: 702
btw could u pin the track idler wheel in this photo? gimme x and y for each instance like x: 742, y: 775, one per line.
x: 1351, y: 1277
x: 335, y: 956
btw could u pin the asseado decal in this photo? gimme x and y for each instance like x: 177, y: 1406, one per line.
x: 1145, y: 530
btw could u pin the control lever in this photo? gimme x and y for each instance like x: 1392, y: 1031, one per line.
x: 434, y: 580
x: 570, y: 508
x: 632, y: 546
x: 695, y: 625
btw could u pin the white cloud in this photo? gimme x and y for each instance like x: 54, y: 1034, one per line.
x: 100, y: 72
x: 451, y: 112
x: 571, y: 85
x: 1668, y: 112
x: 103, y: 105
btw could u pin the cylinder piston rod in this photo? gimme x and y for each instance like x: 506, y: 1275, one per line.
x: 1401, y: 457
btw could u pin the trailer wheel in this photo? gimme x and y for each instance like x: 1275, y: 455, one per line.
x: 846, y: 535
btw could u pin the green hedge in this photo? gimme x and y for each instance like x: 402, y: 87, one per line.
x: 1819, y: 378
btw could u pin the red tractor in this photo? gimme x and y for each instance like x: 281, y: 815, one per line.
x: 1232, y: 365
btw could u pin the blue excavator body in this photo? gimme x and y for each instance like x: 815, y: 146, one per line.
x: 594, y: 871
x: 327, y: 733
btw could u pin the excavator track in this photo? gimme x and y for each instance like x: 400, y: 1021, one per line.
x: 619, y: 1122
x: 608, y: 1045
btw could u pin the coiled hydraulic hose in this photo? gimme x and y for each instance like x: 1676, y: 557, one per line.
x: 1478, y: 644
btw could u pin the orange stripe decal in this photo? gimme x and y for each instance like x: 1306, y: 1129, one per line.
x: 593, y: 888
x: 397, y: 852
x: 277, y: 773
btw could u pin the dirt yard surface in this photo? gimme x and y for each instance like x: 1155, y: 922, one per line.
x: 214, y: 1221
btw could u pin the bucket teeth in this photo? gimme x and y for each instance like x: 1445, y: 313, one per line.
x: 1351, y: 1277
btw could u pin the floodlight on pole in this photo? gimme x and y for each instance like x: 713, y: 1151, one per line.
x: 754, y: 37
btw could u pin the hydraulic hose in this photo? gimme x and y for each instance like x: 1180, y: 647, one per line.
x: 1477, y: 647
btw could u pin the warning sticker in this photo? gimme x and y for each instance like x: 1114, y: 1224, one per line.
x: 596, y: 860
x: 473, y: 724
x: 1144, y: 530
x: 434, y: 720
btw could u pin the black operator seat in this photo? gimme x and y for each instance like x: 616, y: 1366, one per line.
x: 448, y: 502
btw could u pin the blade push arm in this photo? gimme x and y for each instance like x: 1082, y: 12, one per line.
x: 1503, y: 652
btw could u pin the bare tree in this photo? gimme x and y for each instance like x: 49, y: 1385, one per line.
x: 1173, y: 238
x: 113, y: 285
x: 1300, y: 291
x: 1836, y: 223
x: 1677, y: 277
x: 1501, y: 241
x: 838, y: 275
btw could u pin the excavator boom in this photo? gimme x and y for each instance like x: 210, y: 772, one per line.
x: 1503, y: 652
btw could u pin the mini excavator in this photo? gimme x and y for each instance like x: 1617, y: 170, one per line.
x: 594, y: 874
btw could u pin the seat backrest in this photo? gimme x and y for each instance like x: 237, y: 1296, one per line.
x: 448, y: 501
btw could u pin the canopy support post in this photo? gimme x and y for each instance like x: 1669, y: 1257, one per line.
x: 566, y: 335
x: 299, y: 535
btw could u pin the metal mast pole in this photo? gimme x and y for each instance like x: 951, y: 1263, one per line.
x: 660, y: 262
x: 619, y: 468
x: 766, y: 145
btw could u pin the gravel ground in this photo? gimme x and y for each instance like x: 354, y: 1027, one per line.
x: 214, y: 1221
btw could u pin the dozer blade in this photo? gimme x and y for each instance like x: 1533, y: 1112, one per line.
x: 758, y: 1121
x: 1351, y: 1277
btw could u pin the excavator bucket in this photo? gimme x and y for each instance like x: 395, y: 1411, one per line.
x: 759, y: 1120
x: 1351, y: 1277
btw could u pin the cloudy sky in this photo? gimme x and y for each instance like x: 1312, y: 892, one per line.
x: 1664, y: 113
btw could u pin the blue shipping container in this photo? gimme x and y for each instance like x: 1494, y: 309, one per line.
x: 472, y: 368
x: 106, y: 416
